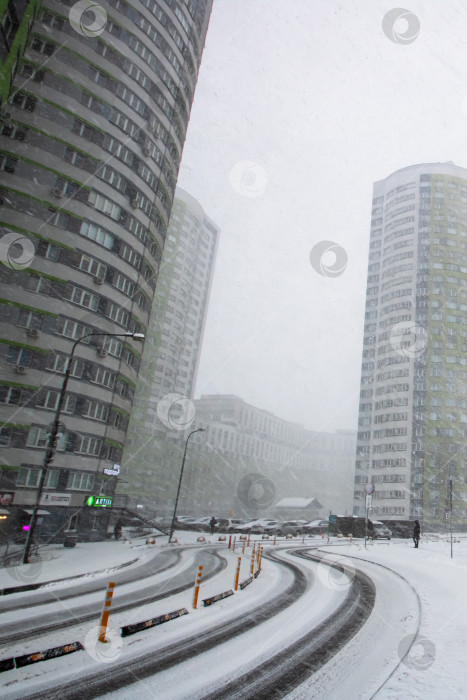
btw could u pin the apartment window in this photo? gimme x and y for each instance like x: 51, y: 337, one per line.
x: 112, y: 177
x: 5, y: 437
x: 74, y: 157
x: 42, y: 47
x: 12, y: 131
x: 37, y: 437
x: 82, y: 129
x: 39, y: 285
x: 89, y: 446
x: 95, y: 233
x: 124, y: 285
x: 31, y: 477
x: 104, y: 205
x: 59, y: 218
x: 71, y: 329
x: 84, y: 298
x: 80, y: 481
x: 97, y: 411
x: 8, y: 164
x: 104, y: 377
x: 26, y: 102
x: 65, y: 187
x: 19, y: 356
x: 117, y: 314
x: 57, y: 363
x: 131, y: 256
x: 29, y: 319
x: 92, y: 266
x: 10, y: 395
x: 49, y: 400
x: 52, y: 252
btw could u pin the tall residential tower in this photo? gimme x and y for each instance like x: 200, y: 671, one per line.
x: 90, y: 147
x: 412, y: 426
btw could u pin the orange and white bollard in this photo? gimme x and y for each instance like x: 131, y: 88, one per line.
x: 252, y: 569
x: 197, y: 585
x: 234, y: 542
x: 275, y: 539
x: 248, y: 543
x: 237, y: 574
x: 230, y: 541
x: 106, y: 612
x: 260, y: 557
x: 243, y: 548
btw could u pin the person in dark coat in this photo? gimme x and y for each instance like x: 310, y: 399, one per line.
x: 212, y: 523
x: 118, y: 530
x: 416, y: 533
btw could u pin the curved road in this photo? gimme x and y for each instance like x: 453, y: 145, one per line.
x: 284, y: 671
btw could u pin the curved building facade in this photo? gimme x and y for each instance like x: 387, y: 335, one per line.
x: 90, y: 146
x: 413, y: 399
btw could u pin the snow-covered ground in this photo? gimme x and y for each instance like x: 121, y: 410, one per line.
x: 421, y: 596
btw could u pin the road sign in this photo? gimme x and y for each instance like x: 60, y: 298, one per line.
x: 369, y: 488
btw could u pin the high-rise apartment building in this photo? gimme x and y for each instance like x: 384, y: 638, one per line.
x: 174, y: 336
x: 412, y: 425
x: 90, y: 146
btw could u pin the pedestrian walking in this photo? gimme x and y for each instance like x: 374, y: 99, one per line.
x: 416, y: 534
x: 212, y: 523
x: 118, y: 531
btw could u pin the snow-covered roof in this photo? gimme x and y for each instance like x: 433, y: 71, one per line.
x: 296, y: 502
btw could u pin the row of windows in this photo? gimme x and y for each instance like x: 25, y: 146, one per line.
x: 96, y: 374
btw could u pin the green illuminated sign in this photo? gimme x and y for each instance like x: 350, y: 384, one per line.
x: 99, y: 501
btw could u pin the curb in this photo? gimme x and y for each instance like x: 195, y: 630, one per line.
x: 127, y: 630
x: 27, y: 659
x: 34, y: 586
x: 215, y: 598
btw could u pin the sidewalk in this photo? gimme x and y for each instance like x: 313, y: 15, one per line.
x: 57, y: 562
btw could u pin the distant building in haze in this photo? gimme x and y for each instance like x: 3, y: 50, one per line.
x: 174, y: 336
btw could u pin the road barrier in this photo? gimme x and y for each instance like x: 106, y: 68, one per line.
x: 246, y: 582
x: 27, y: 659
x: 197, y: 585
x: 106, y: 612
x: 127, y: 630
x: 215, y: 598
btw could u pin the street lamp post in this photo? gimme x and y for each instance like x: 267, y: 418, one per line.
x: 52, y: 437
x: 172, y: 527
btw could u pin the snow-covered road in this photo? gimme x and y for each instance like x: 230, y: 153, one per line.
x: 411, y: 646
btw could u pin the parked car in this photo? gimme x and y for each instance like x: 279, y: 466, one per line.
x: 315, y: 527
x: 184, y: 522
x: 378, y: 531
x: 229, y: 524
x: 291, y: 527
x: 259, y: 526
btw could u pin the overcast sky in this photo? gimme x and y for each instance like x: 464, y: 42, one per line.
x: 300, y: 107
